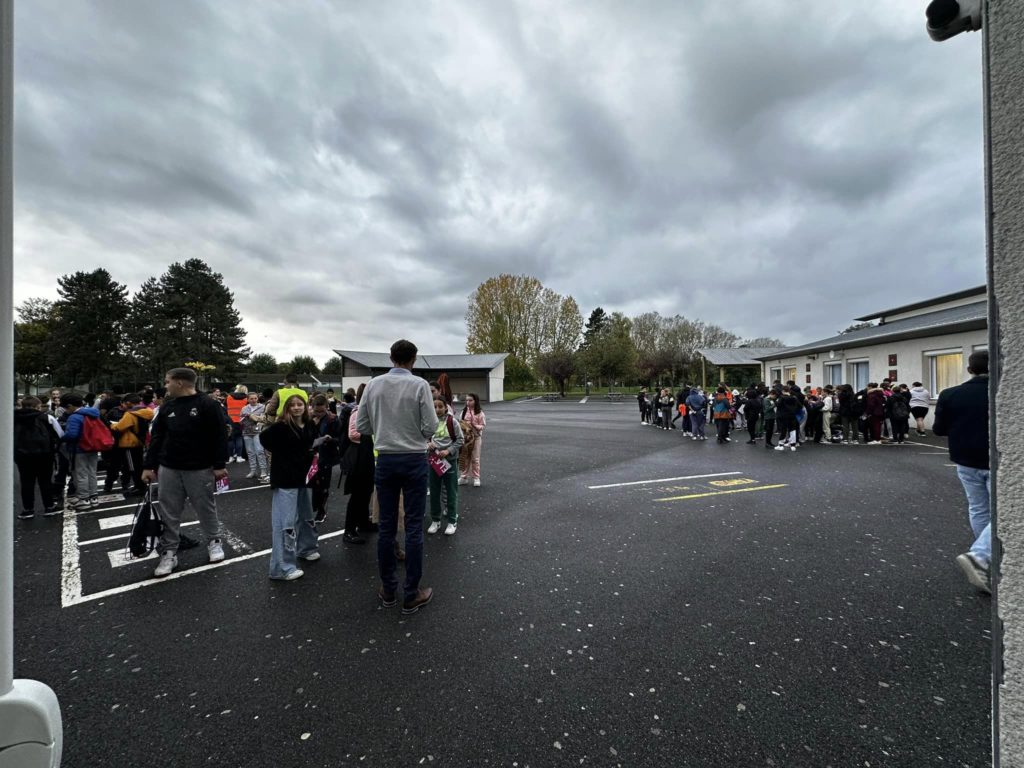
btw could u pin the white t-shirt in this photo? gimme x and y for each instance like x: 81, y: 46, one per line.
x: 919, y: 397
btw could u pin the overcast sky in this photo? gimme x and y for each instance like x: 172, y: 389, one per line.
x: 355, y: 170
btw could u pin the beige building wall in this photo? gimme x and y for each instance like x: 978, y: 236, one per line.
x: 913, y: 361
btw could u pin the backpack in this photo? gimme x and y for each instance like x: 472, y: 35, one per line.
x: 147, y: 527
x: 95, y: 437
x: 900, y: 409
x: 34, y: 438
x: 858, y: 405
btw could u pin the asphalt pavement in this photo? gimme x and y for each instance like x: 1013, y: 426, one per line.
x: 616, y: 595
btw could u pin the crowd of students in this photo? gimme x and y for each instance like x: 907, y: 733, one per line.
x: 292, y: 440
x: 835, y: 415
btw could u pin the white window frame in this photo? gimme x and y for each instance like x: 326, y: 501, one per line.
x: 774, y: 374
x: 930, y: 355
x: 853, y: 378
x: 827, y: 378
x: 796, y: 372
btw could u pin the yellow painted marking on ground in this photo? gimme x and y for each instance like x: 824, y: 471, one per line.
x: 722, y: 493
x: 734, y: 481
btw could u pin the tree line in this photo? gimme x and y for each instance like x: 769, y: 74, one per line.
x: 546, y: 338
x: 95, y: 335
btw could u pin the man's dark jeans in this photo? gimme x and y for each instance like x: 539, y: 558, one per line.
x: 404, y: 473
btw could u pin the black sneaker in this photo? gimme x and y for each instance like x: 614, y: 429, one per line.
x: 976, y: 573
x: 26, y: 514
x: 352, y: 538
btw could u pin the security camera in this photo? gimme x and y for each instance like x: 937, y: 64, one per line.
x: 947, y: 18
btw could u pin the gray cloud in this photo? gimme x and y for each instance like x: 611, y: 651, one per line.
x: 356, y: 172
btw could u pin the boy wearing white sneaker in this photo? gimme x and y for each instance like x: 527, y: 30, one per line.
x: 444, y: 447
x: 189, y: 447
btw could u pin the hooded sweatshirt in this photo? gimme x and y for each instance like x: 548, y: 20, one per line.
x: 73, y: 429
x: 132, y: 427
x: 920, y: 397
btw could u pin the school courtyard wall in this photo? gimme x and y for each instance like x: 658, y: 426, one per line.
x: 1004, y: 130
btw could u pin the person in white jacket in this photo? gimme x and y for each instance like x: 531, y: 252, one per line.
x: 920, y: 401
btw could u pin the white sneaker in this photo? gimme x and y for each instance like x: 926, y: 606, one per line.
x: 298, y: 573
x: 463, y: 481
x: 780, y: 447
x: 312, y: 557
x: 264, y: 478
x: 450, y: 530
x: 250, y: 476
x: 216, y: 550
x: 434, y: 527
x: 168, y: 562
x: 476, y: 482
x: 792, y: 447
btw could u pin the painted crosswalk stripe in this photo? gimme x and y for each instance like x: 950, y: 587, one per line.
x: 120, y: 557
x: 122, y: 536
x: 116, y: 522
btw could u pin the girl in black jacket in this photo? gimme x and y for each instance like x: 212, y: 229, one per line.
x: 291, y: 441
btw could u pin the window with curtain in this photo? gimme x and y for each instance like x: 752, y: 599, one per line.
x: 947, y: 371
x: 790, y: 374
x: 834, y: 374
x: 859, y: 373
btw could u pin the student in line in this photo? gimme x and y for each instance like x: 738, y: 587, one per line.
x: 251, y: 419
x: 36, y: 436
x: 473, y: 415
x: 920, y: 401
x: 721, y: 412
x: 769, y: 413
x: 291, y: 441
x: 444, y: 445
x: 696, y: 408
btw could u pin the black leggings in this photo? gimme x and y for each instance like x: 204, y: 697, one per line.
x: 752, y: 425
x: 321, y: 487
x: 722, y: 425
x: 32, y: 471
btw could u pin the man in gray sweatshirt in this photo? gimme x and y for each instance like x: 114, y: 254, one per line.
x: 398, y: 411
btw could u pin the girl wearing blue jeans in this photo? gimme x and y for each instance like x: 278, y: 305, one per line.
x: 291, y: 441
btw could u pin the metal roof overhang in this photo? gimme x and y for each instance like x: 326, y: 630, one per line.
x: 937, y: 330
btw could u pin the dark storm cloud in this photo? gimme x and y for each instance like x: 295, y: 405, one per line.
x: 356, y: 172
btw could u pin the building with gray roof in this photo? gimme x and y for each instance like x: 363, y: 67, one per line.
x: 483, y: 375
x: 927, y: 341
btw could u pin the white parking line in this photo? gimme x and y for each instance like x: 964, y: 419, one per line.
x: 79, y: 598
x: 660, y: 480
x: 122, y: 536
x: 133, y: 506
x: 70, y: 571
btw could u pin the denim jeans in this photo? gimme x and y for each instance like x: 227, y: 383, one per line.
x: 294, y: 534
x: 406, y: 473
x: 977, y: 485
x: 254, y: 450
x: 235, y: 442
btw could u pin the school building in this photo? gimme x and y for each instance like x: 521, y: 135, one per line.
x: 927, y: 341
x: 483, y: 375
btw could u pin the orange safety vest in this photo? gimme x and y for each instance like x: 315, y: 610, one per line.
x: 235, y: 408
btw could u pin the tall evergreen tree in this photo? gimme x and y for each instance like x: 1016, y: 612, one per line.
x: 87, y: 341
x: 188, y: 314
x: 32, y: 333
x: 596, y: 324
